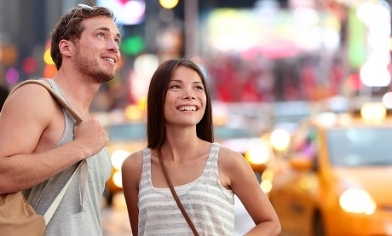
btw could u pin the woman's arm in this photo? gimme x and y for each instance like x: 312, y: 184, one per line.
x: 131, y: 174
x: 237, y: 174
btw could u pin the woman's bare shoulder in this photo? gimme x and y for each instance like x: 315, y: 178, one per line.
x: 228, y: 156
x: 231, y: 161
x: 133, y: 162
x: 131, y: 173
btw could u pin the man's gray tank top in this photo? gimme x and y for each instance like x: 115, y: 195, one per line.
x: 70, y: 218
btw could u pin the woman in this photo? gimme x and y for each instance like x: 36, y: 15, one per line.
x: 205, y: 175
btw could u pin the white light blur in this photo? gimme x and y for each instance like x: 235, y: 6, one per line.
x: 145, y: 64
x: 331, y: 39
x: 280, y: 139
x: 387, y: 100
x: 373, y: 74
x: 327, y: 119
x: 373, y: 111
x: 117, y: 179
x: 357, y: 201
x: 306, y: 16
x: 144, y: 67
x: 127, y: 13
x: 266, y: 180
x: 376, y: 17
x: 118, y: 158
x: 258, y: 154
x: 266, y: 186
x: 378, y: 56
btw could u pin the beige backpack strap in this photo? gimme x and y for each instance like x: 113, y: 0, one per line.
x: 60, y: 99
x: 83, y: 164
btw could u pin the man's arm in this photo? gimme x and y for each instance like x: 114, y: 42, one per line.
x: 31, y: 123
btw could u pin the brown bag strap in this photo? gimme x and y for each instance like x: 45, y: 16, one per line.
x: 60, y: 99
x: 173, y: 191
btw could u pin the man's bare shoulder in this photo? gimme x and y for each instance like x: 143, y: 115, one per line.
x: 28, y: 96
x: 26, y: 115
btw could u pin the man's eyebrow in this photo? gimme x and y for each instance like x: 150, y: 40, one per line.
x: 108, y: 30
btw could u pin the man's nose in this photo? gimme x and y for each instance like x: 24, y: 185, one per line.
x: 114, y: 46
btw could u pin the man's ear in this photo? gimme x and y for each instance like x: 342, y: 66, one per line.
x: 66, y: 47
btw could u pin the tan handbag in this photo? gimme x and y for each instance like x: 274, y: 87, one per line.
x: 17, y: 217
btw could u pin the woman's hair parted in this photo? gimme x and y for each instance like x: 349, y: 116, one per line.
x: 156, y: 134
x: 70, y: 27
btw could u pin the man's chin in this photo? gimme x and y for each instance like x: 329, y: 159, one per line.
x: 105, y: 77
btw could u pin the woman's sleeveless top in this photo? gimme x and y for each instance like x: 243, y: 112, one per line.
x: 209, y: 205
x: 79, y: 210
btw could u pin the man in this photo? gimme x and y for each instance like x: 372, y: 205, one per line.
x: 40, y: 145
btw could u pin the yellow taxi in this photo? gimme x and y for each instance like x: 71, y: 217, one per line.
x: 336, y: 176
x: 124, y: 138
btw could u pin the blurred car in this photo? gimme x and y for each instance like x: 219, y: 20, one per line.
x: 247, y: 142
x: 337, y: 177
x: 124, y: 138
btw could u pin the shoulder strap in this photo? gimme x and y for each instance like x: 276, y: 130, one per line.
x: 61, y: 100
x: 52, y: 208
x: 176, y: 198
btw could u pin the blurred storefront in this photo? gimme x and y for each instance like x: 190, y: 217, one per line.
x: 270, y: 53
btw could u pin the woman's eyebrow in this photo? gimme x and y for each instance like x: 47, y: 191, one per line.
x: 180, y: 81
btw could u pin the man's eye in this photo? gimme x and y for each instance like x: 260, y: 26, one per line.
x: 102, y: 35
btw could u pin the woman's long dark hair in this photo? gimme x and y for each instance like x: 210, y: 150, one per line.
x: 156, y: 133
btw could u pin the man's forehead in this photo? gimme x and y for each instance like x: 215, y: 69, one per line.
x: 100, y: 22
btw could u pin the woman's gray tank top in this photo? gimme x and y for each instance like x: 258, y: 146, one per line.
x: 70, y: 218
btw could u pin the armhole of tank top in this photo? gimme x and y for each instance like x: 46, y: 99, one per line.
x: 66, y: 115
x: 227, y: 192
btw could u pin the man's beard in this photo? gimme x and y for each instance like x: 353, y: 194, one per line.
x: 91, y: 68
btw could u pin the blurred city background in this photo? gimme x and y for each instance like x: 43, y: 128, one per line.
x: 253, y: 51
x: 269, y: 65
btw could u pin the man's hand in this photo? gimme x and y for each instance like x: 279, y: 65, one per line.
x: 91, y: 135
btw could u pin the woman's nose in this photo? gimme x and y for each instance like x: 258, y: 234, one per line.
x: 188, y: 94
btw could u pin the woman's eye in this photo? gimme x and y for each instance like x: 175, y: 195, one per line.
x: 199, y: 88
x: 175, y: 86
